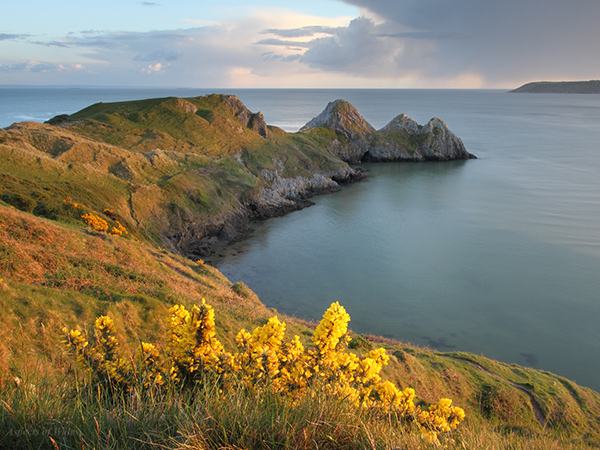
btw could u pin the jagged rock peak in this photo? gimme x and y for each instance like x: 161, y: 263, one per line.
x: 255, y: 122
x: 343, y: 118
x: 402, y: 122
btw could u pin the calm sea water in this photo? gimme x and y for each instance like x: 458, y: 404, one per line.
x: 498, y: 256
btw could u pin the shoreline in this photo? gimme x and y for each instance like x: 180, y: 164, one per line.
x: 237, y: 226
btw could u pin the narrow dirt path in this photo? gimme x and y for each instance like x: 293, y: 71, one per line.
x: 535, y: 406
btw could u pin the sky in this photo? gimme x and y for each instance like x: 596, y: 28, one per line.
x: 299, y: 44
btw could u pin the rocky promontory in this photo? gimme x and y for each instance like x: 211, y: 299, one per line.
x: 402, y: 139
x: 193, y: 173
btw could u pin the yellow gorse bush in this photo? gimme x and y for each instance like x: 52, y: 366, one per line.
x: 118, y: 229
x: 100, y: 225
x: 264, y: 360
x: 102, y: 361
x: 95, y: 223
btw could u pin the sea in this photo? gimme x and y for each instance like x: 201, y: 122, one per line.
x: 498, y: 256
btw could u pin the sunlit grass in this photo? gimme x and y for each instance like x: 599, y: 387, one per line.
x: 55, y: 275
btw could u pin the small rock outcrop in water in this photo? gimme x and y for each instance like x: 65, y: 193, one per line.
x: 403, y: 139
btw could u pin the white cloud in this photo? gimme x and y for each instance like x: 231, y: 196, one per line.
x: 34, y: 66
x: 153, y: 68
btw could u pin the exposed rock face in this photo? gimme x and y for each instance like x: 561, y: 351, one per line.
x: 202, y: 238
x: 256, y: 122
x: 185, y: 105
x: 345, y: 120
x: 402, y: 139
x: 402, y: 123
x: 405, y: 140
x: 441, y: 144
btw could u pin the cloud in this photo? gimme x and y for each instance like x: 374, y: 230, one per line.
x: 298, y: 32
x: 281, y: 42
x: 358, y: 48
x: 362, y: 48
x: 159, y: 55
x: 153, y: 68
x: 408, y: 43
x: 33, y: 66
x: 15, y: 67
x: 233, y: 53
x: 51, y: 44
x: 11, y: 37
x: 500, y: 39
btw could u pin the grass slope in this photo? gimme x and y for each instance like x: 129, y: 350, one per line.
x: 56, y: 275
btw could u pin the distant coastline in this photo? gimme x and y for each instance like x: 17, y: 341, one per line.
x: 560, y: 87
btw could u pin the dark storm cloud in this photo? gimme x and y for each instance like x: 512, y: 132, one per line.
x: 501, y: 38
x: 361, y: 48
x: 357, y: 48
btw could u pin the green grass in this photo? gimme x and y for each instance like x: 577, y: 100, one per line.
x: 199, y: 418
x: 68, y: 416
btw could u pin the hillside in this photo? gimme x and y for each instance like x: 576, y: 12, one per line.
x: 191, y: 173
x: 57, y: 275
x: 156, y: 196
x: 560, y: 87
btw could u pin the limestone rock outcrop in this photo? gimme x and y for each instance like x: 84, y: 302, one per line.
x: 256, y: 122
x: 354, y: 132
x: 402, y: 139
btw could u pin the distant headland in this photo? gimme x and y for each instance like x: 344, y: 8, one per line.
x: 560, y: 87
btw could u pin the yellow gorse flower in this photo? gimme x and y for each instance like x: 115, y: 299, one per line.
x: 331, y: 329
x: 95, y: 223
x: 193, y: 346
x: 265, y: 360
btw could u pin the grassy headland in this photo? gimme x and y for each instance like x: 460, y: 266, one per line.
x: 167, y: 186
x: 560, y: 87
